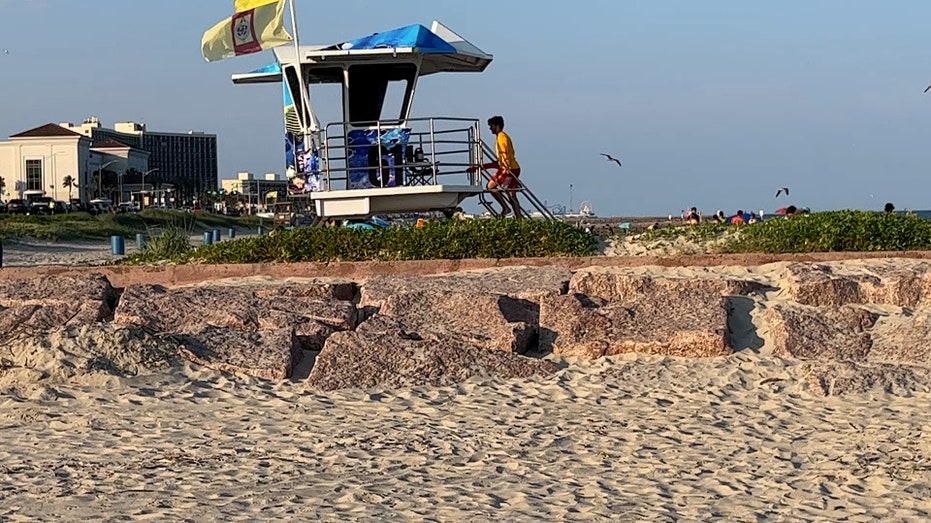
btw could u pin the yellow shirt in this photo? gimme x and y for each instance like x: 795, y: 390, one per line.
x: 505, y: 150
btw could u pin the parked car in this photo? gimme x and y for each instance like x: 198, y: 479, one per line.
x: 45, y: 205
x: 126, y: 207
x: 102, y: 205
x: 17, y: 206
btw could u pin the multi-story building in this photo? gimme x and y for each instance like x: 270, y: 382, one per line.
x: 63, y: 164
x: 186, y: 161
x: 256, y: 192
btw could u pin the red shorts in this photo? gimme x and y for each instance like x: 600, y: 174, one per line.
x: 506, y: 179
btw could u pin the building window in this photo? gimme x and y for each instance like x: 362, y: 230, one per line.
x: 33, y: 175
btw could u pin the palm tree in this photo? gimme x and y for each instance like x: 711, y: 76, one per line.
x: 67, y: 182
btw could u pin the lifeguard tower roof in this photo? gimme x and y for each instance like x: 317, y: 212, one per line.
x: 439, y: 50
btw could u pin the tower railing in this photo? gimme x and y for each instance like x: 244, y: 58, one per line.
x: 395, y: 153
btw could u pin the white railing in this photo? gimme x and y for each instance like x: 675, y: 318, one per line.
x: 395, y: 153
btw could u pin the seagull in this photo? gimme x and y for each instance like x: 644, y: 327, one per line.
x: 927, y: 88
x: 612, y: 159
x: 782, y: 190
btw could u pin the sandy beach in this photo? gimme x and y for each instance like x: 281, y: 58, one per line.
x: 39, y: 253
x: 622, y: 439
x: 632, y: 437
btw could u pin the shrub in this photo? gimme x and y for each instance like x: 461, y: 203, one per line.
x: 169, y: 243
x: 437, y: 240
x: 834, y: 231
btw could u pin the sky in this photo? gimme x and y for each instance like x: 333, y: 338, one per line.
x: 713, y: 104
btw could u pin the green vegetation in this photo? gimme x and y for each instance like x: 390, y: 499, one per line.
x: 437, y: 240
x: 834, y: 231
x: 83, y: 226
x: 168, y: 242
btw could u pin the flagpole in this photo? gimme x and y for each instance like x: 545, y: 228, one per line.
x: 305, y: 95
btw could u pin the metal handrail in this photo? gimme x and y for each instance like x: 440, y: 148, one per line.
x: 521, y: 186
x: 334, y: 142
x: 336, y: 149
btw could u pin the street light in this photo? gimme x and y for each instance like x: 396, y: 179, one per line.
x: 143, y: 192
x: 100, y: 174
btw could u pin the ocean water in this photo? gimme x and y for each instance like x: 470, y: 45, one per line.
x: 926, y: 215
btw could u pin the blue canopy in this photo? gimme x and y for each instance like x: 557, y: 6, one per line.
x: 440, y: 50
x: 413, y: 36
x: 274, y: 68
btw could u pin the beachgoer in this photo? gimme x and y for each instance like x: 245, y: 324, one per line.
x: 693, y: 217
x: 889, y: 208
x: 719, y: 217
x: 508, y: 170
x: 790, y: 210
x: 753, y: 218
x: 739, y: 217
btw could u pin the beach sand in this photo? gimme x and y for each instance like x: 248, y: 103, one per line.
x: 621, y: 439
x: 36, y: 253
x: 627, y: 438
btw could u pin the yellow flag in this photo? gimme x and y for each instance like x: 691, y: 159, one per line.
x: 245, y: 5
x: 258, y: 27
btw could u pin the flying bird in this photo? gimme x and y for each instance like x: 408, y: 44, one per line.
x: 927, y: 88
x: 782, y: 190
x: 612, y: 159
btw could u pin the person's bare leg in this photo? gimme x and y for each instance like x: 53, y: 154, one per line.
x: 496, y: 194
x: 515, y: 204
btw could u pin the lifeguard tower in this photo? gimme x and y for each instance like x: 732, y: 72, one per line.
x: 379, y: 159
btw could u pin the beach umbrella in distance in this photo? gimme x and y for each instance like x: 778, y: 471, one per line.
x: 612, y: 159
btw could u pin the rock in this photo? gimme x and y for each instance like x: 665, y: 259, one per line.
x: 395, y: 358
x: 829, y: 333
x: 189, y: 309
x: 820, y: 284
x: 186, y: 309
x: 268, y: 354
x: 313, y: 320
x: 324, y: 290
x: 49, y: 302
x: 841, y: 378
x: 817, y: 285
x: 903, y: 338
x: 692, y: 324
x: 490, y: 321
x: 518, y: 282
x: 618, y: 285
x: 908, y: 286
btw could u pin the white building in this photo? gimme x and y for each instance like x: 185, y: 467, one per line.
x: 41, y: 159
